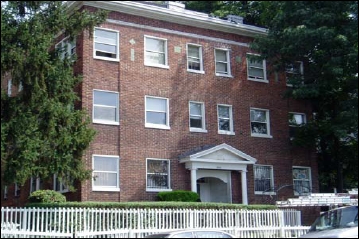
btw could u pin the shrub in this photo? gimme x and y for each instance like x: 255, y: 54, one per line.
x: 46, y: 196
x: 178, y: 195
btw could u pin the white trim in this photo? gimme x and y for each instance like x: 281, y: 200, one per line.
x: 168, y: 176
x: 158, y: 126
x: 203, y: 117
x: 268, y: 135
x: 227, y: 62
x: 107, y: 188
x: 117, y: 45
x: 264, y: 69
x: 185, y: 17
x: 146, y: 63
x: 117, y: 107
x: 9, y: 87
x: 231, y: 126
x: 200, y: 53
x: 178, y: 33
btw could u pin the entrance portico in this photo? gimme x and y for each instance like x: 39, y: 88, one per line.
x: 214, y: 162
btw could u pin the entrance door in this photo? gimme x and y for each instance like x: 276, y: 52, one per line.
x: 213, y: 190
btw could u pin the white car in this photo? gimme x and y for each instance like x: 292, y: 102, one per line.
x: 336, y: 223
x: 192, y: 233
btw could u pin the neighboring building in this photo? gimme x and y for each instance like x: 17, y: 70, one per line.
x: 178, y: 102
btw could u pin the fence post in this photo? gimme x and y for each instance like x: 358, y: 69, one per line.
x: 281, y: 223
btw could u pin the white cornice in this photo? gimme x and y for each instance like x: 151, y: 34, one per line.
x: 185, y: 17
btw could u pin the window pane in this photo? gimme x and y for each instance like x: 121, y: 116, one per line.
x: 256, y: 72
x: 105, y: 36
x: 105, y: 98
x: 300, y: 173
x: 258, y: 115
x: 105, y: 113
x: 195, y: 109
x: 223, y: 111
x: 105, y: 47
x: 157, y: 181
x: 155, y: 58
x: 194, y: 65
x: 193, y: 51
x: 105, y: 179
x: 196, y: 122
x: 221, y: 67
x: 255, y: 63
x: 259, y: 128
x: 221, y: 55
x: 296, y: 119
x: 155, y: 104
x: 155, y: 45
x: 224, y: 124
x: 157, y: 166
x: 156, y: 118
x: 105, y: 163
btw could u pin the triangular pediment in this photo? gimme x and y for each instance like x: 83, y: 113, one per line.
x: 221, y: 153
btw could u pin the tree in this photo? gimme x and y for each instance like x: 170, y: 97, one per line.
x: 42, y: 131
x: 324, y: 36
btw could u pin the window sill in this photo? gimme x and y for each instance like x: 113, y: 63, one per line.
x: 106, y: 58
x: 198, y: 130
x: 226, y: 132
x: 154, y: 126
x: 194, y: 71
x: 224, y: 75
x: 262, y: 136
x: 158, y: 66
x: 105, y: 122
x: 257, y: 80
x: 157, y: 190
x: 105, y: 189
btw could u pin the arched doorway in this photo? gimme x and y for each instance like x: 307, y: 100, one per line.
x: 211, y: 189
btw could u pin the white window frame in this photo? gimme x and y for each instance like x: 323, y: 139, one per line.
x: 200, y: 59
x: 62, y: 187
x: 309, y: 180
x: 227, y: 62
x: 168, y: 176
x: 147, y: 63
x: 157, y: 126
x: 268, y: 135
x: 203, y: 117
x: 267, y: 167
x: 291, y: 71
x: 37, y: 184
x: 231, y: 127
x: 16, y: 190
x: 117, y: 45
x: 68, y: 48
x: 256, y: 78
x: 9, y: 87
x: 115, y: 171
x: 5, y: 192
x: 117, y: 107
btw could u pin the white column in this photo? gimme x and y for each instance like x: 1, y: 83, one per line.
x: 244, y: 187
x: 193, y: 180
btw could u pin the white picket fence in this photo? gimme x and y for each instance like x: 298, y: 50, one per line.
x: 137, y: 223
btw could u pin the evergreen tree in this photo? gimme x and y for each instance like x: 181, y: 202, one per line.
x: 42, y: 132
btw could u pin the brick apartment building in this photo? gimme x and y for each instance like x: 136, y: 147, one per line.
x: 177, y: 103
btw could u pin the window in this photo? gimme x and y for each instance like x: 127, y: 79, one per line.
x: 105, y: 107
x: 106, y: 175
x: 158, y: 174
x: 59, y: 186
x: 35, y: 184
x: 223, y: 67
x: 156, y: 52
x: 256, y: 68
x: 194, y: 58
x: 66, y: 47
x: 106, y: 44
x: 260, y: 123
x: 225, y: 119
x: 263, y: 179
x: 17, y: 190
x: 294, y: 72
x: 302, y: 180
x: 197, y: 117
x: 5, y: 192
x: 157, y: 112
x: 295, y: 120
